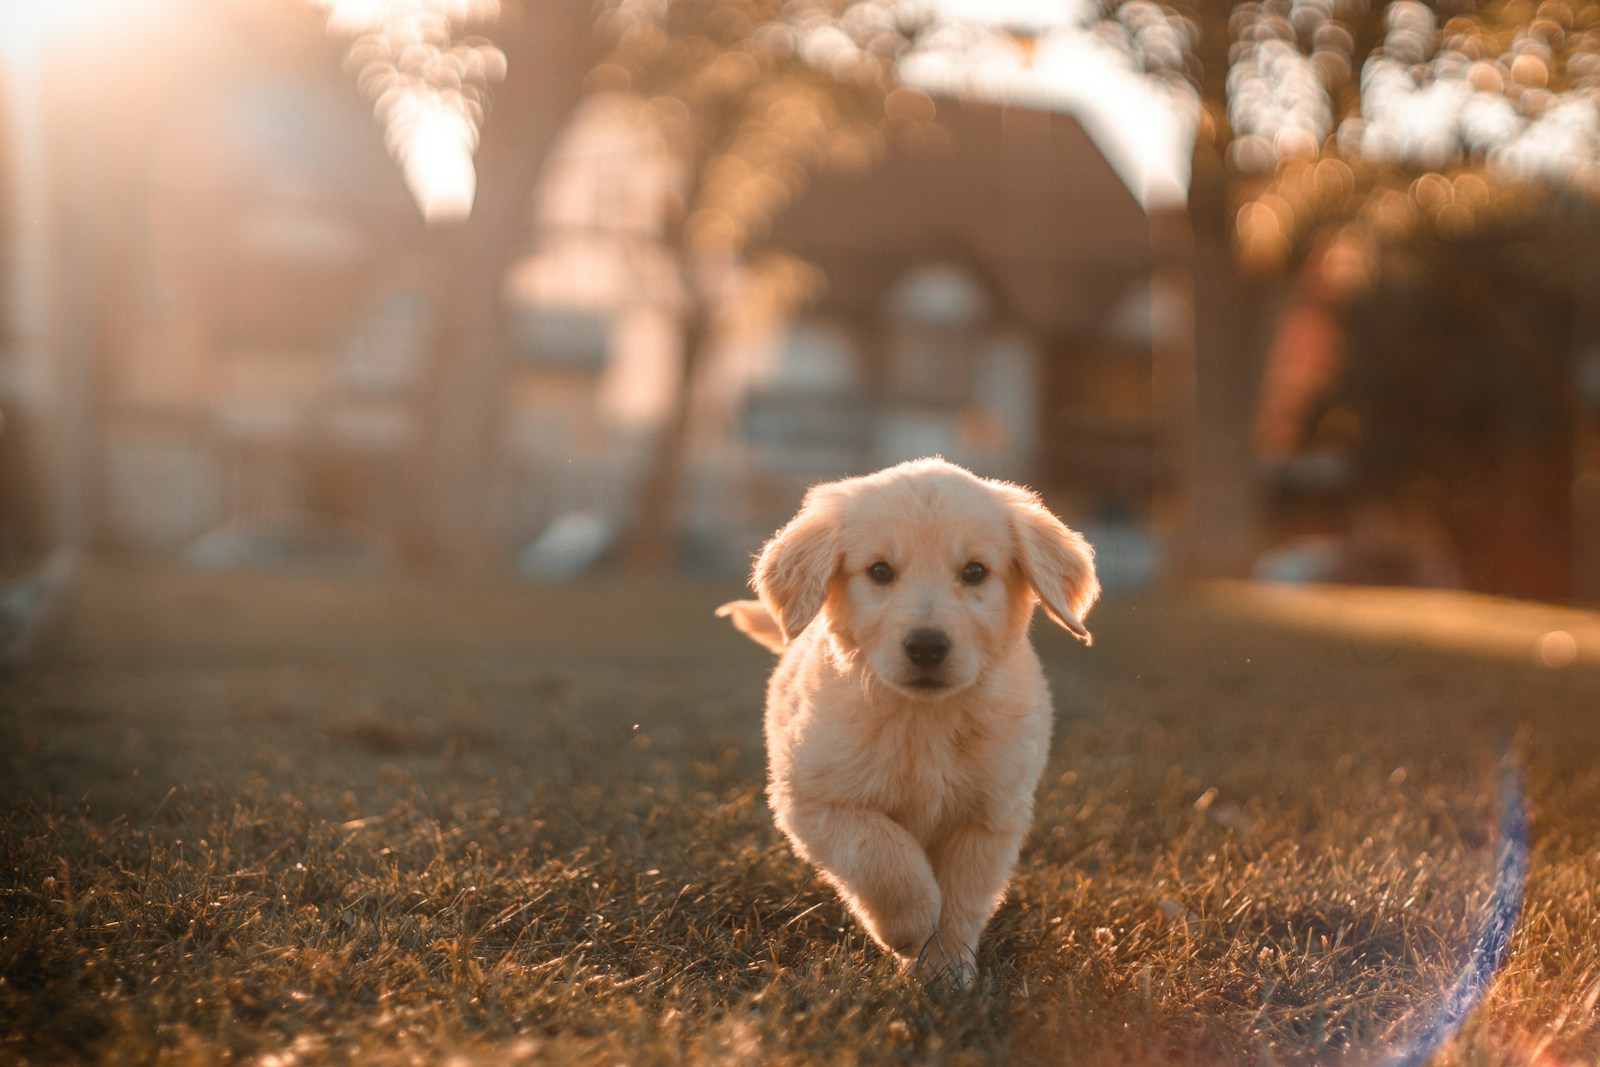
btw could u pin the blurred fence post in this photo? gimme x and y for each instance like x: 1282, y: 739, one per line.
x: 1585, y: 341
x: 25, y: 387
x: 56, y: 285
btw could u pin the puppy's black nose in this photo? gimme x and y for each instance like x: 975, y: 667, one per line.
x: 927, y: 648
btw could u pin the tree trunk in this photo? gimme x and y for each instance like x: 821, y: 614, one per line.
x: 1232, y: 330
x: 550, y: 49
x: 1217, y: 496
x: 655, y: 542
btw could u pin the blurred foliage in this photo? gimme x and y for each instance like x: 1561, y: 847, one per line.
x: 753, y: 97
x: 1353, y: 127
x: 1361, y: 122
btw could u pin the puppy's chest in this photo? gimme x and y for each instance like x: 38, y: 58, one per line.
x: 926, y: 773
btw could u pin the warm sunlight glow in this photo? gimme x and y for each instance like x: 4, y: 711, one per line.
x: 29, y: 28
x: 435, y: 152
x: 429, y: 89
x: 362, y: 16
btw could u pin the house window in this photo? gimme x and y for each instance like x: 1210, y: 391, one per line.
x: 935, y: 315
x: 386, y: 350
x: 556, y: 337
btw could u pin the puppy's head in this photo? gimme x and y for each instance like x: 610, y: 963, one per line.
x: 924, y: 574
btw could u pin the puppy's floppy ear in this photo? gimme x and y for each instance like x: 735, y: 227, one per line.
x: 793, y: 571
x: 1056, y: 561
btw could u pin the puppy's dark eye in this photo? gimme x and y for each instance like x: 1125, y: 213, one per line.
x: 881, y: 573
x: 974, y: 572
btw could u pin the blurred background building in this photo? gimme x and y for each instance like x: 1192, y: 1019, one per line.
x: 541, y: 286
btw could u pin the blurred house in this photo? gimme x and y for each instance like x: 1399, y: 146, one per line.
x: 995, y: 290
x: 231, y: 337
x: 250, y: 369
x: 225, y: 322
x: 985, y: 297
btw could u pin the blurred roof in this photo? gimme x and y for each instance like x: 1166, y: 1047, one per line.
x: 1021, y: 197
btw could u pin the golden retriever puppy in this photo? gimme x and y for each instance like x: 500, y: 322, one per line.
x: 908, y: 719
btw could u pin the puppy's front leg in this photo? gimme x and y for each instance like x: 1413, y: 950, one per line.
x: 877, y: 867
x: 972, y: 864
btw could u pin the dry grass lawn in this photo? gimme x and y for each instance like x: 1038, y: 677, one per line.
x: 280, y: 821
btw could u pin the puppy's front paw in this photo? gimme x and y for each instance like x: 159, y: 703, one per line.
x: 943, y: 961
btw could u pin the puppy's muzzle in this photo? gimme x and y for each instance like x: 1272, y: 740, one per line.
x: 927, y: 648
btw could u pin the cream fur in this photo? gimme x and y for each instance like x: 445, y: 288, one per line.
x: 911, y: 787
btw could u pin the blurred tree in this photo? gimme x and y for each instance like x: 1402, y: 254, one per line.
x: 1339, y: 144
x: 550, y: 48
x: 1351, y: 155
x: 752, y: 96
x: 472, y: 94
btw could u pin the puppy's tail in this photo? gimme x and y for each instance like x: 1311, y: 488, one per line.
x: 751, y: 618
